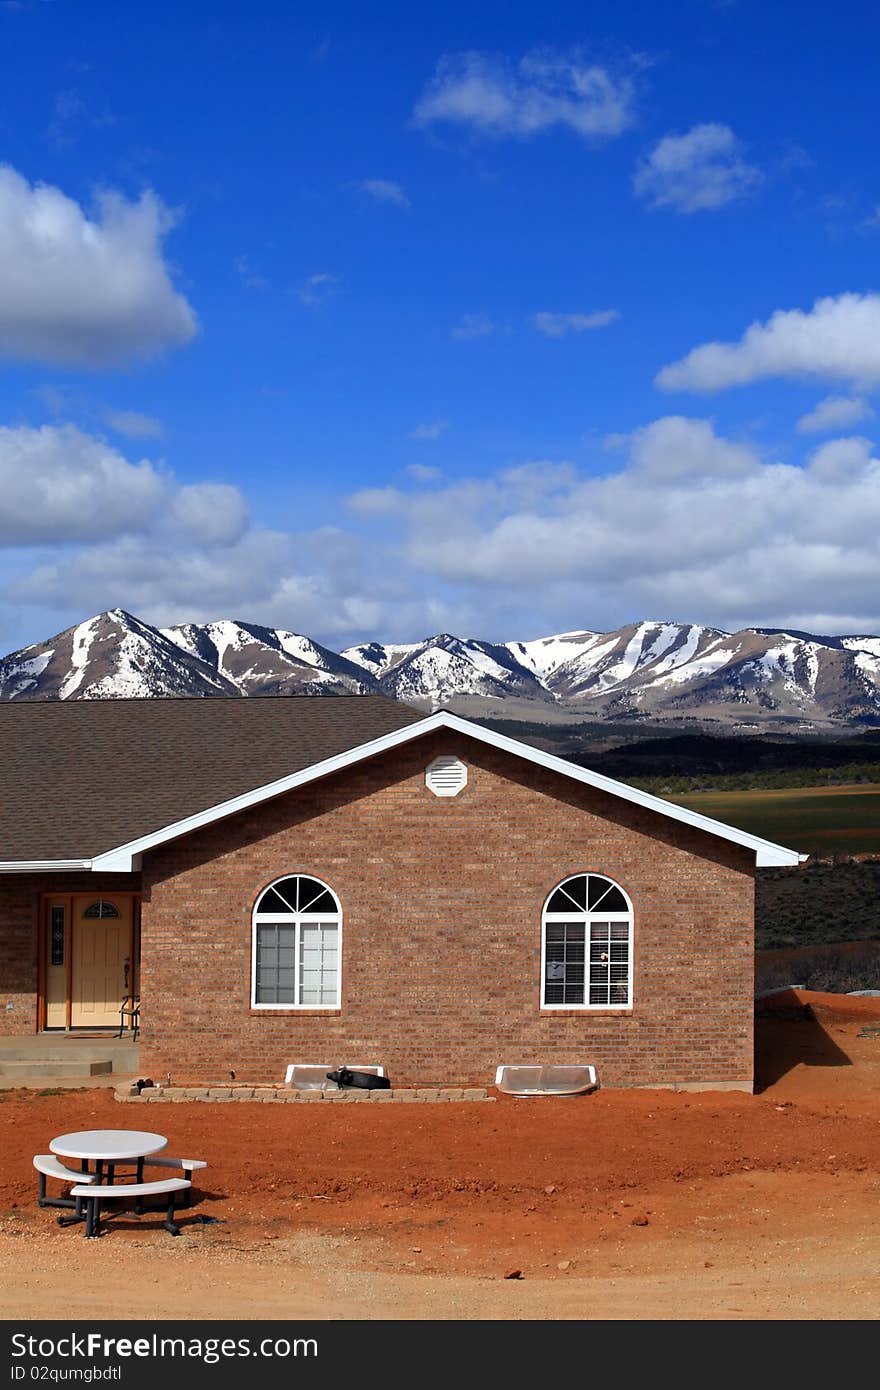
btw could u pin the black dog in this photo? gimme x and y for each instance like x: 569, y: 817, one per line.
x: 365, y: 1080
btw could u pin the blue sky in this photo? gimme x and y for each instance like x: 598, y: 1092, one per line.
x: 370, y: 321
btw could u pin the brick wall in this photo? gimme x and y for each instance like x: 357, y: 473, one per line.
x: 442, y: 908
x: 19, y: 906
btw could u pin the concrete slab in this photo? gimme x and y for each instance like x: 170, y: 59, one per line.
x: 58, y: 1060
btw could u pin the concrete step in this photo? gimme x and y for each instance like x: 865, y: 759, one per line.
x: 122, y: 1053
x: 23, y: 1069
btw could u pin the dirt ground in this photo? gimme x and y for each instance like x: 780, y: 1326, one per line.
x: 621, y: 1205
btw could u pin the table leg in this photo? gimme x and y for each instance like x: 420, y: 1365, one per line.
x: 79, y: 1213
x: 139, y: 1206
x: 93, y: 1208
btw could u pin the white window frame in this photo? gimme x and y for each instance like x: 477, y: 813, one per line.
x: 297, y: 920
x: 587, y: 917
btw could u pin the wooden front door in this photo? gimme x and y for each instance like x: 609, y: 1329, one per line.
x: 101, y: 962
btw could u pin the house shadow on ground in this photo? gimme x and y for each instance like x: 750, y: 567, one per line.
x: 786, y: 1038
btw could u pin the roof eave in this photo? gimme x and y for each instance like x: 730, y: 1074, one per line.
x: 123, y: 858
x: 779, y: 857
x: 128, y: 856
x: 43, y: 866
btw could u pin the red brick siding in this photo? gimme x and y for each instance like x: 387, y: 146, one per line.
x: 442, y: 904
x: 19, y: 907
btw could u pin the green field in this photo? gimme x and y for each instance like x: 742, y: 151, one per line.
x: 815, y: 820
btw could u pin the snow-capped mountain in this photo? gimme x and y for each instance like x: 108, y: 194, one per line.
x: 269, y: 661
x: 115, y: 655
x: 445, y: 667
x: 109, y: 656
x: 657, y: 670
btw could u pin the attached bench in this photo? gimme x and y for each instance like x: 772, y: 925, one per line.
x: 93, y: 1198
x: 48, y: 1166
x: 187, y: 1165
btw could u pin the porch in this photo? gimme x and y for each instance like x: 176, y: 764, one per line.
x: 60, y: 1059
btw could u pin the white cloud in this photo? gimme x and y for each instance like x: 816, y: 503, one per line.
x: 133, y: 424
x: 691, y: 526
x: 384, y: 191
x: 325, y: 583
x: 680, y: 447
x: 682, y: 522
x: 701, y: 170
x: 497, y: 97
x: 834, y: 413
x: 317, y: 288
x: 472, y: 326
x: 431, y: 429
x: 60, y: 485
x: 839, y: 338
x: 559, y: 325
x: 210, y: 513
x: 110, y: 533
x: 424, y: 472
x: 87, y: 292
x: 72, y: 492
x: 162, y: 581
x: 376, y: 501
x: 841, y: 460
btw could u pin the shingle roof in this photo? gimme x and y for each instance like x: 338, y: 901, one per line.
x: 83, y: 776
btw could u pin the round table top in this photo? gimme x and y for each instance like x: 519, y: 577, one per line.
x: 107, y: 1144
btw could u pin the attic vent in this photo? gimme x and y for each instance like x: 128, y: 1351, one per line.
x: 446, y: 776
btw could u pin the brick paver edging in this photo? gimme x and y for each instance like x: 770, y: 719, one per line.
x: 276, y: 1095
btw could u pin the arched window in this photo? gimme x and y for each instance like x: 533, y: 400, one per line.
x: 101, y: 909
x: 297, y: 941
x: 587, y: 945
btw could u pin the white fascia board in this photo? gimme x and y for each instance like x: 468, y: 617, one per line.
x: 48, y: 866
x: 117, y: 861
x: 126, y: 857
x: 766, y: 852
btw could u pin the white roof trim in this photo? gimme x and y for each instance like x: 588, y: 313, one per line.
x: 127, y: 857
x: 25, y: 866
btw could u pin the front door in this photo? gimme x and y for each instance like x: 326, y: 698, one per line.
x: 101, y: 962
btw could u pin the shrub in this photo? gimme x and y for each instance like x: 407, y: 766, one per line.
x: 830, y: 971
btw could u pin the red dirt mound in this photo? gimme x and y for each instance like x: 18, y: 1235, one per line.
x: 853, y: 1006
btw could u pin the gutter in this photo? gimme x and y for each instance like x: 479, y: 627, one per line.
x: 34, y: 866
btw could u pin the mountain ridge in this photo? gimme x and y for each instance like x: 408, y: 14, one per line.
x: 651, y: 670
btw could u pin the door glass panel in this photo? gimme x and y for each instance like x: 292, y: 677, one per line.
x: 101, y: 909
x: 56, y: 951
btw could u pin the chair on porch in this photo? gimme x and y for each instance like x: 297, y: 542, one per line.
x: 130, y: 1009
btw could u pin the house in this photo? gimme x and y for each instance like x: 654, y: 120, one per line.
x: 343, y: 880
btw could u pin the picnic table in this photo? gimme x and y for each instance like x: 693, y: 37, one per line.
x: 110, y: 1147
x: 107, y: 1149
